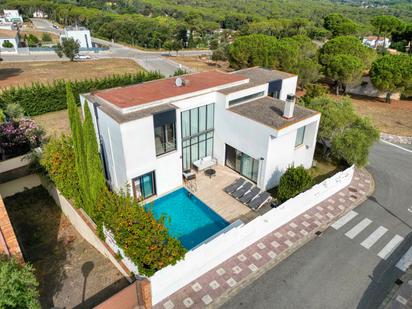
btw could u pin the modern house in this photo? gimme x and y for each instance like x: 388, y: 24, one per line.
x: 150, y: 133
x: 376, y: 41
x: 11, y: 37
x: 12, y: 16
x: 80, y: 34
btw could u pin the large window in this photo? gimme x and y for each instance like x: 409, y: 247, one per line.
x: 242, y: 163
x: 300, y: 136
x: 197, y: 134
x: 144, y: 186
x: 165, y: 132
x: 246, y: 98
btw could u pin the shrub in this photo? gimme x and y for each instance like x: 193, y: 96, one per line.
x: 8, y: 44
x: 14, y: 111
x: 42, y: 98
x: 2, y: 116
x: 45, y: 37
x: 180, y: 71
x: 18, y: 137
x: 18, y: 285
x: 32, y: 40
x: 294, y: 181
x: 144, y: 239
x: 58, y: 160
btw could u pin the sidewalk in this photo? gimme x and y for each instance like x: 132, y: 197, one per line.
x: 214, y: 287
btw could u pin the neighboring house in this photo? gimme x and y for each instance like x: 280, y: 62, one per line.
x: 6, y: 25
x: 82, y: 35
x: 39, y: 14
x: 12, y: 16
x: 10, y: 36
x: 151, y: 133
x: 375, y: 41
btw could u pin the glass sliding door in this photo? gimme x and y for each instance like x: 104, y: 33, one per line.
x: 144, y: 186
x: 242, y: 163
x: 197, y: 134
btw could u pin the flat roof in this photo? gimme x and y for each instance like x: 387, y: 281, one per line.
x: 269, y: 111
x: 135, y: 95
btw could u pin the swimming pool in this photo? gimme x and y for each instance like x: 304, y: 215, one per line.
x: 188, y: 218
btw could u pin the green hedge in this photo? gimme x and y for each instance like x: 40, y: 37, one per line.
x: 42, y: 98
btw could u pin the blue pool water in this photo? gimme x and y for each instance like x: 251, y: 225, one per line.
x: 187, y: 218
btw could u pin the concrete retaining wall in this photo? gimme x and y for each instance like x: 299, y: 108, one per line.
x: 14, y: 163
x: 84, y: 226
x: 197, y: 262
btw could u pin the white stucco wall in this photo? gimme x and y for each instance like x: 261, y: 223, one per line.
x: 14, y: 41
x: 288, y: 87
x: 83, y: 36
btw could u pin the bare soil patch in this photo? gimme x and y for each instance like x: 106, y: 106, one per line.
x: 199, y: 63
x: 70, y: 271
x: 24, y: 73
x: 39, y: 34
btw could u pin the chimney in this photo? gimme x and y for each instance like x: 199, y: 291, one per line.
x: 289, y: 106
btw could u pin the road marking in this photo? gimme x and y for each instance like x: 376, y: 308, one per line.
x: 345, y: 219
x: 405, y: 261
x: 397, y: 146
x: 358, y: 228
x: 374, y: 237
x: 390, y: 247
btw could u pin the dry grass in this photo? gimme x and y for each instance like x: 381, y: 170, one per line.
x: 200, y: 63
x: 21, y: 73
x: 55, y: 123
x: 39, y: 34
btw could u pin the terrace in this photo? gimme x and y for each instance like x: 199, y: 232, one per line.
x: 210, y: 191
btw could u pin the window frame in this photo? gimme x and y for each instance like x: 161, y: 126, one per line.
x: 302, y: 141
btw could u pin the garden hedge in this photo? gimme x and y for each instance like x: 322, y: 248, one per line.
x: 41, y: 98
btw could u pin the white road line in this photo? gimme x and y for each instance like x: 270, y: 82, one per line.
x: 390, y: 247
x: 374, y: 237
x: 405, y: 261
x: 345, y: 219
x: 397, y: 146
x: 358, y: 228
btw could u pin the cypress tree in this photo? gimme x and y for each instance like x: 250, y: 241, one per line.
x: 96, y: 177
x: 79, y: 149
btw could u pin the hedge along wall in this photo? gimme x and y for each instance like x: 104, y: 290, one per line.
x: 41, y: 98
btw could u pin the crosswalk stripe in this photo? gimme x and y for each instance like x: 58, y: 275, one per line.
x: 390, y: 247
x: 405, y: 261
x: 358, y: 228
x: 374, y: 237
x: 345, y: 219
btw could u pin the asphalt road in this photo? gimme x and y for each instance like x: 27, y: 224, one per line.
x: 149, y: 60
x: 334, y: 271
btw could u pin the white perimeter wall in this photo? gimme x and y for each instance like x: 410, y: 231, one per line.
x: 209, y: 255
x: 83, y: 36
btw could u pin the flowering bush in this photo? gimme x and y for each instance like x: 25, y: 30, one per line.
x: 18, y: 137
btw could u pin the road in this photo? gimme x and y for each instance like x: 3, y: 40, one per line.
x: 341, y: 268
x: 149, y: 60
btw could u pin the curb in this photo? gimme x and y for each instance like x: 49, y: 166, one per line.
x: 226, y: 296
x: 399, y: 139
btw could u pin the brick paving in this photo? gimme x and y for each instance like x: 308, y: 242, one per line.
x: 210, y: 288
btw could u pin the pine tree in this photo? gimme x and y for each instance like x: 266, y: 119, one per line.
x: 94, y: 165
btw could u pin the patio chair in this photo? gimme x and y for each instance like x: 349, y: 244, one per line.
x: 242, y: 190
x: 250, y: 195
x: 234, y: 186
x: 259, y: 201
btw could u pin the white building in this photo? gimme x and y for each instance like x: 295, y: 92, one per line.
x: 151, y: 132
x: 375, y: 41
x: 80, y: 34
x: 12, y: 16
x: 39, y: 14
x: 10, y: 36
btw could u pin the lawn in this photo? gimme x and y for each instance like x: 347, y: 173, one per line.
x: 20, y: 73
x: 199, y: 63
x: 59, y: 254
x: 55, y: 123
x: 39, y: 34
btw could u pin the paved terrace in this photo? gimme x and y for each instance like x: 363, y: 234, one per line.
x: 210, y: 191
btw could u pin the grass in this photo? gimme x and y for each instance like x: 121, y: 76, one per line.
x: 324, y: 169
x: 21, y: 73
x: 55, y: 123
x: 39, y: 34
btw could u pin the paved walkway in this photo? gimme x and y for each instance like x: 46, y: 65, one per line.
x: 214, y: 287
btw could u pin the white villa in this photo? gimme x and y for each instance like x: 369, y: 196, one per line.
x: 375, y: 41
x: 247, y: 121
x: 80, y: 34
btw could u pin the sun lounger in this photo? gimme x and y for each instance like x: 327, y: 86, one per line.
x: 242, y: 190
x: 259, y: 201
x: 250, y: 195
x: 234, y: 186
